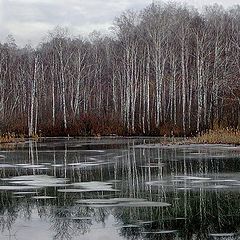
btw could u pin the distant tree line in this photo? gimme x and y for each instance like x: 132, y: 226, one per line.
x: 168, y: 69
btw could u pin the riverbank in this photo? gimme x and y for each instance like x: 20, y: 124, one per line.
x: 11, y: 138
x: 219, y: 136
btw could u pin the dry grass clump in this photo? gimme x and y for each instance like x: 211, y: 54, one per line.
x: 10, y: 138
x: 225, y: 136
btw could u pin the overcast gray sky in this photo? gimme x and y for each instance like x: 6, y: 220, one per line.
x: 30, y: 20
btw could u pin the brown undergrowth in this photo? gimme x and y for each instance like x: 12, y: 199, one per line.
x: 220, y: 136
x: 11, y: 138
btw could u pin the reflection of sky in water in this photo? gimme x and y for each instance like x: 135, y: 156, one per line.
x: 38, y: 229
x: 118, y: 189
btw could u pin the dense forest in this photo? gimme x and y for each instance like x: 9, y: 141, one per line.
x: 166, y: 70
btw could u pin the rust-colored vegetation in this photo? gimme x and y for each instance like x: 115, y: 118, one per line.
x: 220, y: 136
x: 11, y: 138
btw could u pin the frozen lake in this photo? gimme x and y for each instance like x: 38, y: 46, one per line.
x: 118, y: 188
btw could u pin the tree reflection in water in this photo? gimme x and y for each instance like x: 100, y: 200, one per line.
x: 201, y: 184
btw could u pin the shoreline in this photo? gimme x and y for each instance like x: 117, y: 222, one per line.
x: 219, y: 136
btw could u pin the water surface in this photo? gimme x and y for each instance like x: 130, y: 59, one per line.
x: 118, y: 188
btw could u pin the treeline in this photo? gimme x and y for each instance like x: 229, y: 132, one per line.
x: 168, y: 69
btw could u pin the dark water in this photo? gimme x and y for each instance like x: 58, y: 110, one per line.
x: 118, y: 189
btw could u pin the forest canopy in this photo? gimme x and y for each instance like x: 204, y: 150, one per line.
x: 167, y: 70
